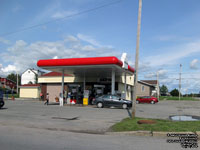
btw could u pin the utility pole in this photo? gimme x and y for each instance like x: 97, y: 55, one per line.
x: 17, y: 83
x: 187, y: 89
x: 158, y: 88
x: 134, y: 92
x: 180, y: 83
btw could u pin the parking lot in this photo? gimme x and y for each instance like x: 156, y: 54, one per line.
x: 34, y: 114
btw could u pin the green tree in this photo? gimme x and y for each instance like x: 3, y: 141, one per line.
x: 163, y: 90
x: 174, y: 92
x: 13, y: 77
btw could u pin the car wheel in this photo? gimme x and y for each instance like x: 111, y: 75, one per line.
x: 124, y: 106
x: 1, y: 103
x: 137, y: 102
x: 152, y: 102
x: 100, y: 105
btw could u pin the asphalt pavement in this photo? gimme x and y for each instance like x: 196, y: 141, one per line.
x: 33, y: 125
x: 20, y: 138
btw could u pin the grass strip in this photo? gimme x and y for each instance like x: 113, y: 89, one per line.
x: 10, y: 95
x: 160, y: 125
x: 177, y: 98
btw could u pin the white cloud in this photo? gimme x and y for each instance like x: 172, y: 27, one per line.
x: 88, y: 39
x: 162, y: 73
x: 172, y: 55
x: 194, y: 64
x: 62, y: 14
x: 71, y: 38
x: 55, y: 57
x: 150, y: 75
x: 88, y: 48
x: 9, y: 68
x: 171, y: 38
x: 4, y: 41
x: 23, y: 55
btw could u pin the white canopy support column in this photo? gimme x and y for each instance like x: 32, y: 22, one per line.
x: 125, y: 86
x: 113, y: 82
x: 62, y: 89
x: 84, y: 82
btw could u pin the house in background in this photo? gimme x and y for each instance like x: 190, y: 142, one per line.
x: 8, y: 84
x: 155, y: 83
x: 30, y: 76
x: 147, y: 88
x: 144, y: 89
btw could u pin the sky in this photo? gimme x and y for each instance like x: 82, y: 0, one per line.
x: 46, y: 29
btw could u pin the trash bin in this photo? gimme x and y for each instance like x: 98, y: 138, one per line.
x: 85, y: 101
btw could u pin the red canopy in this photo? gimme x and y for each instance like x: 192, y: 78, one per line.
x: 90, y: 64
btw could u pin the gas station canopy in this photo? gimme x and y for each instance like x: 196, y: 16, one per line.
x: 91, y: 66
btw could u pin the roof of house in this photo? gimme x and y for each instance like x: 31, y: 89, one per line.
x: 7, y: 79
x: 30, y: 85
x: 53, y: 74
x: 145, y: 83
x: 153, y: 82
x: 32, y: 70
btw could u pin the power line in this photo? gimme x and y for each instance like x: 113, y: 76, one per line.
x: 60, y: 19
x: 170, y: 73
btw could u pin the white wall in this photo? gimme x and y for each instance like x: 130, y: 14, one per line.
x: 27, y: 76
x: 31, y: 92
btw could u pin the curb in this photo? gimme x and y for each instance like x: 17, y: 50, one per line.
x: 22, y: 99
x: 139, y: 133
x: 165, y: 134
x: 149, y: 133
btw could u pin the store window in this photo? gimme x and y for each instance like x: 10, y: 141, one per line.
x: 143, y: 89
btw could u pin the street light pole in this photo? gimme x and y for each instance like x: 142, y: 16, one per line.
x: 180, y: 83
x: 136, y: 60
x: 158, y: 88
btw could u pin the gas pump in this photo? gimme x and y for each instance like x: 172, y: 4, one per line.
x: 74, y: 93
x: 98, y: 90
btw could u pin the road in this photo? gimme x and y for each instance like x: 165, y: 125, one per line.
x: 32, y: 125
x: 20, y: 138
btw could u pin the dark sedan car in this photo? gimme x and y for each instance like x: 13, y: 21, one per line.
x: 112, y: 100
x: 1, y: 99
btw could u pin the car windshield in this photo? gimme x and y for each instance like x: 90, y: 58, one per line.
x: 107, y: 96
x: 115, y: 97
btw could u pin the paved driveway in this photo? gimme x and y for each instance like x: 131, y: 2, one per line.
x: 164, y: 109
x: 33, y: 114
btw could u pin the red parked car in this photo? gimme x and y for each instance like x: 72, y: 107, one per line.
x: 147, y: 99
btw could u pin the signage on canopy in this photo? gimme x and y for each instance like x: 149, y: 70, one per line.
x: 124, y: 60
